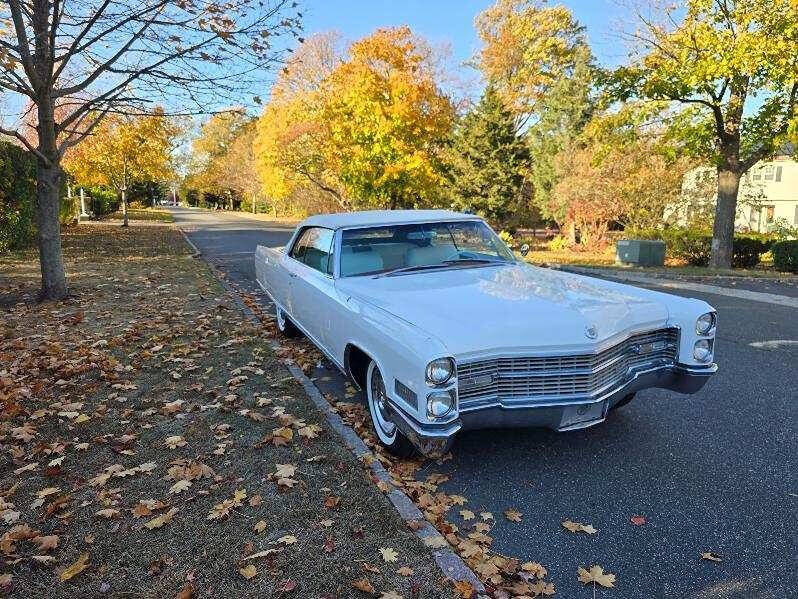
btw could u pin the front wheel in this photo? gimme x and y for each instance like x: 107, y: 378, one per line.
x: 388, y: 434
x: 284, y: 324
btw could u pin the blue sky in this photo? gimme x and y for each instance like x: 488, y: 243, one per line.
x: 452, y: 21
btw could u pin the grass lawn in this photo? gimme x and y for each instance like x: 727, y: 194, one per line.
x: 144, y: 214
x: 153, y: 445
x: 606, y: 260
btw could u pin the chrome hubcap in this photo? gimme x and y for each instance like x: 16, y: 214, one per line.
x: 378, y: 399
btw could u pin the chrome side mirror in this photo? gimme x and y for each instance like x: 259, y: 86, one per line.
x: 525, y: 249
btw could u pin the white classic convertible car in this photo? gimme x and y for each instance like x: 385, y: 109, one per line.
x: 431, y: 315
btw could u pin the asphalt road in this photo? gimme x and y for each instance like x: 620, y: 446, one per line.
x: 709, y: 472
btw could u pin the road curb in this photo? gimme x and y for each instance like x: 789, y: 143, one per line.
x: 450, y: 564
x: 197, y: 253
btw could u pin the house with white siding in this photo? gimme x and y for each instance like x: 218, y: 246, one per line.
x: 768, y: 192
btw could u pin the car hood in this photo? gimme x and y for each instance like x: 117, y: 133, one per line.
x: 512, y: 307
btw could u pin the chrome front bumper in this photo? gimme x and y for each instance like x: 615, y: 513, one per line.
x: 561, y: 414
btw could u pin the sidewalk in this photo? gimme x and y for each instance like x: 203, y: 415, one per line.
x: 781, y: 299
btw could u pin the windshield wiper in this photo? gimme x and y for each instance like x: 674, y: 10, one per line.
x: 441, y: 264
x: 408, y: 269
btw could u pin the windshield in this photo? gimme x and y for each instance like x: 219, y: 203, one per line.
x: 383, y: 249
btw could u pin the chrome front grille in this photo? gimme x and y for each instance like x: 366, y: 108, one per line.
x: 562, y: 377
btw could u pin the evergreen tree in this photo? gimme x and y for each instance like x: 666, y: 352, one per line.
x: 562, y: 114
x: 487, y: 161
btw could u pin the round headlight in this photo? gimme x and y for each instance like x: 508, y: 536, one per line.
x: 439, y: 371
x: 702, y: 351
x: 439, y: 404
x: 705, y: 323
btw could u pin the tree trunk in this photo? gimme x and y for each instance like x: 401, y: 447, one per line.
x: 48, y: 186
x: 725, y: 212
x: 54, y: 285
x: 124, y: 207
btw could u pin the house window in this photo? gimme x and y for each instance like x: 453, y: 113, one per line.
x: 768, y: 210
x: 757, y: 176
x: 768, y: 172
x: 778, y: 174
x: 796, y: 215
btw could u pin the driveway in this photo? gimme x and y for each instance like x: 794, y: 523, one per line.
x: 713, y: 472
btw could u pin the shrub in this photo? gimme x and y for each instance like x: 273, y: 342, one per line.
x: 507, y: 238
x: 785, y: 255
x: 17, y: 197
x: 559, y: 243
x: 782, y: 230
x: 748, y: 249
x: 694, y: 246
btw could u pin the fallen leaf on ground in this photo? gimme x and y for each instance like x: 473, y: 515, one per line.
x: 187, y: 592
x: 260, y: 526
x: 180, y: 486
x: 467, y: 514
x: 435, y: 542
x: 534, y: 568
x: 388, y: 554
x: 164, y: 518
x: 390, y: 595
x: 363, y: 584
x: 710, y: 556
x: 249, y: 571
x: 287, y: 540
x: 579, y: 527
x: 596, y: 575
x: 405, y: 571
x: 513, y: 515
x: 637, y: 520
x: 464, y: 589
x: 76, y: 568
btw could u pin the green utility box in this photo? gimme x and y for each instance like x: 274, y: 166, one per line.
x: 640, y: 252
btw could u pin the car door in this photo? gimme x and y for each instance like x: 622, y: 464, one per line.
x: 312, y: 284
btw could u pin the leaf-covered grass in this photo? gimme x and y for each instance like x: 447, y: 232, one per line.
x: 606, y: 260
x: 153, y: 444
x: 144, y: 214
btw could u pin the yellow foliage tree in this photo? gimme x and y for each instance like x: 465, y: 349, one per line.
x: 291, y: 143
x: 123, y: 149
x: 363, y: 130
x: 385, y: 118
x: 527, y: 47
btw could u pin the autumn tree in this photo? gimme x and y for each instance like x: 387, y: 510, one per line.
x: 291, y: 141
x: 527, y: 47
x: 736, y: 63
x: 363, y: 130
x: 487, y: 161
x: 123, y: 149
x: 96, y: 57
x: 212, y: 165
x: 624, y: 168
x: 385, y: 117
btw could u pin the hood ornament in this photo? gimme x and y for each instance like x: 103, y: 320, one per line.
x: 591, y: 332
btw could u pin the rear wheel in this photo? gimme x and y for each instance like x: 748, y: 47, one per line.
x: 284, y: 324
x: 624, y: 401
x: 387, y: 432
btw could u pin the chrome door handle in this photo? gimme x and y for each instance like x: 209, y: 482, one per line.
x: 292, y: 275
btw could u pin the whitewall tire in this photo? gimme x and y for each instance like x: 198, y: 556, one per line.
x: 387, y: 432
x: 284, y: 324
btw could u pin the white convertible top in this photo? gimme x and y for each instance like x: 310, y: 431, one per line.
x: 372, y: 218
